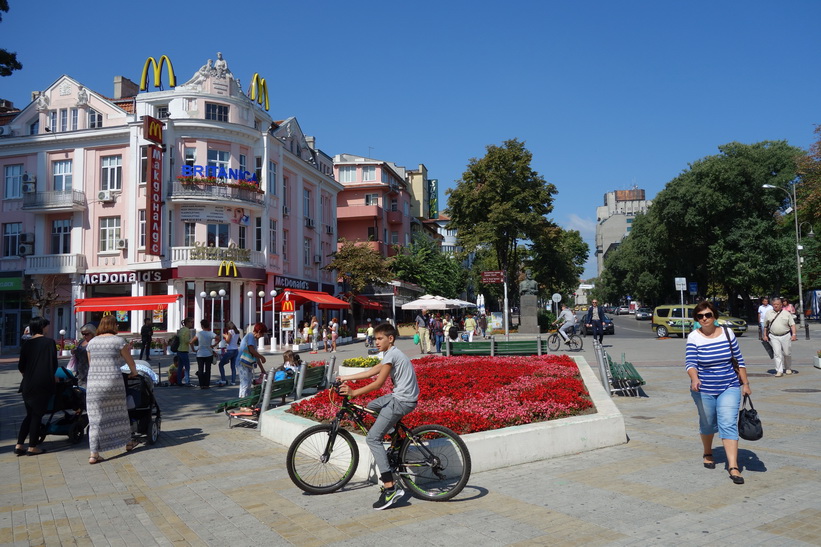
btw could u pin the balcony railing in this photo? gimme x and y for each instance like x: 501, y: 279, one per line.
x: 200, y: 254
x: 56, y: 264
x: 208, y: 192
x: 57, y: 199
x: 395, y: 217
x: 359, y: 211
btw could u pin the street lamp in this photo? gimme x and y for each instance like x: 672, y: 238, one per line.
x: 222, y: 312
x: 250, y: 296
x: 261, y: 295
x: 213, y: 295
x: 273, y: 320
x: 62, y: 339
x: 794, y: 205
x: 203, y: 295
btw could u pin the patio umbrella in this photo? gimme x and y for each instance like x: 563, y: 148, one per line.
x: 429, y: 302
x: 457, y: 303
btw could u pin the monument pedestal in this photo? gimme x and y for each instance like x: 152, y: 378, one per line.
x: 528, y: 312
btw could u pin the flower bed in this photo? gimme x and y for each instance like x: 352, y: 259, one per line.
x: 471, y: 394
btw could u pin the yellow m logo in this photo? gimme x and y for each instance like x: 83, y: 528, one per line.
x: 225, y: 269
x: 259, y: 89
x: 172, y: 79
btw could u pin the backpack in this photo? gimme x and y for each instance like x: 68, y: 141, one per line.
x: 174, y: 343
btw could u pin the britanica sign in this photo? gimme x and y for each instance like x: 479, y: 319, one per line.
x: 117, y: 278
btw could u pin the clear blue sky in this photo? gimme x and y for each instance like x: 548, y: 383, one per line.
x: 605, y: 94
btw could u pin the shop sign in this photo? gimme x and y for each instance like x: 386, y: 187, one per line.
x: 111, y: 278
x: 202, y: 251
x: 218, y: 172
x: 213, y: 214
x: 225, y: 269
x: 259, y: 90
x: 153, y: 196
x: 151, y: 62
x: 292, y: 283
x: 286, y: 305
x: 11, y: 284
x: 152, y: 129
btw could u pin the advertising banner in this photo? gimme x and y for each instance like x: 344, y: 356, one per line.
x: 153, y: 206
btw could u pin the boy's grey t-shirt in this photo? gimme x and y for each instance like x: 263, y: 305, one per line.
x: 405, y: 387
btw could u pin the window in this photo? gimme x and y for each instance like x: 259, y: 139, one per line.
x: 52, y: 121
x: 285, y: 191
x: 272, y: 236
x: 143, y: 164
x: 285, y: 245
x: 190, y: 156
x: 386, y: 176
x: 217, y: 235
x: 258, y: 234
x: 109, y: 233
x: 162, y: 111
x: 394, y: 238
x: 272, y: 177
x: 371, y: 199
x: 95, y: 119
x: 306, y: 252
x: 347, y: 173
x: 258, y: 170
x: 306, y: 203
x: 243, y: 163
x: 11, y: 238
x: 371, y: 233
x: 216, y: 112
x: 394, y: 204
x: 61, y: 236
x: 75, y: 114
x: 14, y: 181
x: 61, y: 175
x: 219, y: 159
x: 188, y: 234
x: 243, y: 237
x: 111, y: 177
x: 368, y: 173
x: 141, y: 221
x: 63, y: 120
x: 34, y: 128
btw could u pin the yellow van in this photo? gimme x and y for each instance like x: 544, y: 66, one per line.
x: 667, y: 320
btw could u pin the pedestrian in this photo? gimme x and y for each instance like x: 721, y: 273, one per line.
x: 369, y: 335
x: 482, y: 325
x: 184, y: 361
x: 146, y: 334
x: 470, y: 326
x: 762, y: 313
x: 325, y: 343
x: 789, y: 308
x: 231, y: 337
x: 334, y: 333
x: 423, y: 331
x: 780, y: 332
x: 438, y: 332
x: 716, y: 385
x: 249, y: 357
x: 595, y: 318
x: 38, y: 365
x: 205, y: 341
x: 109, y: 427
x: 315, y: 334
x: 81, y: 354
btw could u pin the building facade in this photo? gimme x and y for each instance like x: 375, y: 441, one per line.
x: 614, y: 220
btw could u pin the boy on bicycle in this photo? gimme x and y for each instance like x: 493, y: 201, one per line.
x: 391, y: 407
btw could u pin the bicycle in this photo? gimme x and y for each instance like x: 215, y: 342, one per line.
x: 574, y: 341
x: 431, y: 461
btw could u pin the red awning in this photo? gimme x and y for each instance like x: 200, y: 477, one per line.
x: 367, y: 303
x: 125, y: 303
x: 299, y: 297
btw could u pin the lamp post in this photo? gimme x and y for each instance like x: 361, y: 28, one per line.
x: 62, y: 340
x: 273, y: 320
x: 261, y: 295
x: 203, y: 295
x: 794, y: 205
x: 250, y: 296
x: 213, y: 295
x: 222, y: 312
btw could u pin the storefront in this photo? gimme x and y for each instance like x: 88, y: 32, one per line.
x: 122, y: 287
x: 15, y: 309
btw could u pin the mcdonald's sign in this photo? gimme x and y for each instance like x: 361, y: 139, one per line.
x: 152, y: 129
x: 172, y: 79
x: 225, y: 269
x: 259, y: 88
x: 286, y: 305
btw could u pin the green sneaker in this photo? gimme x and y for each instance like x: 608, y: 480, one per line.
x: 388, y: 497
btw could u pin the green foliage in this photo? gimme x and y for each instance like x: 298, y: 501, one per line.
x: 545, y: 319
x: 361, y: 362
x: 359, y: 265
x: 424, y: 263
x: 8, y: 60
x: 557, y: 259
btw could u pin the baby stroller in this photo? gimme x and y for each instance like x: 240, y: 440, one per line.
x: 70, y: 399
x: 143, y: 410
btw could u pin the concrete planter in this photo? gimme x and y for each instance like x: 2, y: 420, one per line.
x: 346, y: 371
x: 816, y: 362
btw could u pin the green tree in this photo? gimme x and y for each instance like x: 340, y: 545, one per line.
x: 499, y: 201
x: 8, y: 60
x: 424, y: 263
x: 358, y: 265
x: 557, y: 259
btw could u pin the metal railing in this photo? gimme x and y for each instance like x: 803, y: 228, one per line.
x: 55, y: 199
x: 214, y: 191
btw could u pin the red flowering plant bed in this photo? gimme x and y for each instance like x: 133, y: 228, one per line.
x: 475, y: 393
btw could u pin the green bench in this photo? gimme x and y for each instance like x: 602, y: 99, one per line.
x: 624, y: 377
x: 470, y: 348
x: 279, y: 389
x: 520, y: 347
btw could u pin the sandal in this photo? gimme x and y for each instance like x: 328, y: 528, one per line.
x: 737, y: 479
x: 95, y: 459
x: 709, y: 465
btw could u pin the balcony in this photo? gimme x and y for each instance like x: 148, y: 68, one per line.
x: 209, y: 193
x: 200, y: 254
x: 13, y: 264
x: 359, y: 211
x: 55, y: 201
x: 395, y: 217
x: 56, y: 264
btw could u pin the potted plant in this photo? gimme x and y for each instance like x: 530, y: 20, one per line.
x: 157, y: 346
x: 356, y: 364
x: 68, y: 345
x: 136, y: 346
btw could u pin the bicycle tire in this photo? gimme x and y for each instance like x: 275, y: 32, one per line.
x: 305, y: 461
x: 575, y: 343
x: 553, y: 342
x: 452, y: 466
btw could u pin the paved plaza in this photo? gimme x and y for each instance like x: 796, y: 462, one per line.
x: 205, y: 484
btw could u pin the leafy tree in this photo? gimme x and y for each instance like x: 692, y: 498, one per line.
x: 8, y: 60
x: 557, y: 259
x: 424, y: 263
x: 499, y: 201
x: 358, y: 265
x: 808, y: 193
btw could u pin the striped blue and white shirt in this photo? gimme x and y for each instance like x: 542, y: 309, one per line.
x: 711, y: 358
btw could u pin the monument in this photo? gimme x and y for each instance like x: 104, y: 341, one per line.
x: 528, y: 305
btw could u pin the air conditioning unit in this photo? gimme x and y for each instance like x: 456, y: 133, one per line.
x: 285, y: 210
x: 309, y: 222
x: 29, y: 188
x: 317, y: 259
x: 329, y: 229
x: 27, y: 238
x: 25, y: 250
x: 122, y: 243
x: 105, y: 195
x: 29, y: 178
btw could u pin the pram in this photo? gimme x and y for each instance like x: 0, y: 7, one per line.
x: 143, y: 410
x: 70, y: 399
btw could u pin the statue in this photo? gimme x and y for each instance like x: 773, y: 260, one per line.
x: 528, y: 286
x: 221, y: 66
x: 42, y: 101
x: 82, y: 96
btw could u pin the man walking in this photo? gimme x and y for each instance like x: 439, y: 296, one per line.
x: 762, y: 312
x: 595, y: 316
x: 779, y: 331
x: 423, y: 332
x: 146, y: 335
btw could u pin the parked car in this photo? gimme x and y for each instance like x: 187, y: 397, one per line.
x: 612, y: 310
x: 623, y: 310
x: 667, y: 320
x: 607, y: 326
x: 644, y: 314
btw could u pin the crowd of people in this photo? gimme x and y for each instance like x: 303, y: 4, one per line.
x: 433, y: 327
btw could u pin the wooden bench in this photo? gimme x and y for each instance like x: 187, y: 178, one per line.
x: 624, y: 377
x: 314, y: 377
x: 249, y: 413
x: 247, y: 401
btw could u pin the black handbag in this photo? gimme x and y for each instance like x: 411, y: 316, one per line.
x: 749, y: 424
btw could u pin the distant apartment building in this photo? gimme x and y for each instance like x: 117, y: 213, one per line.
x: 447, y: 236
x: 614, y: 220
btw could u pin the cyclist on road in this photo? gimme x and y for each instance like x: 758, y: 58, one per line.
x: 567, y: 319
x: 392, y: 407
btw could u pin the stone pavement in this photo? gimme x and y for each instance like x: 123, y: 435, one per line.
x: 203, y: 484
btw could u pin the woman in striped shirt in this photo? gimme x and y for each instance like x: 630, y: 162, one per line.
x: 715, y: 386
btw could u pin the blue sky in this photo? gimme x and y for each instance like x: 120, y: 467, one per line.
x: 605, y: 94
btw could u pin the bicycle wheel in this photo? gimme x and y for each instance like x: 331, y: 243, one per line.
x: 575, y: 343
x: 316, y: 472
x: 436, y: 466
x: 553, y: 342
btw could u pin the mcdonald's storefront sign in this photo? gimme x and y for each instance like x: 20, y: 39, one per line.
x: 259, y: 90
x: 227, y: 269
x: 154, y: 203
x: 152, y: 129
x: 286, y: 306
x: 157, y: 67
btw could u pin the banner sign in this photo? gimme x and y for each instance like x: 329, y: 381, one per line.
x: 232, y: 253
x: 489, y: 278
x: 109, y: 278
x: 152, y: 129
x: 227, y: 266
x: 153, y: 206
x: 213, y: 214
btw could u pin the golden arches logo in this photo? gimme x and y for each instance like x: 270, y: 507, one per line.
x: 259, y: 90
x: 172, y: 79
x: 226, y: 266
x: 287, y: 305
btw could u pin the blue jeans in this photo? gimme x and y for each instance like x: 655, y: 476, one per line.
x: 229, y: 355
x: 183, y: 368
x: 718, y: 413
x: 440, y: 338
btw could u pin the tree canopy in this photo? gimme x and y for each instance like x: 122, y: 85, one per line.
x: 358, y: 265
x: 8, y: 60
x: 424, y: 263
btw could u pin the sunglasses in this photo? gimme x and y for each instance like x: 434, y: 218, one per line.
x: 707, y: 315
x: 86, y: 333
